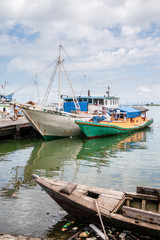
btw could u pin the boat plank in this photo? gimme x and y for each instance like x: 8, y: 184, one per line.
x: 100, y: 190
x: 141, y: 215
x: 54, y: 182
x: 128, y: 202
x: 159, y: 207
x: 107, y: 206
x: 112, y: 196
x: 81, y: 191
x: 97, y: 231
x: 142, y: 196
x: 110, y: 201
x: 135, y: 222
x: 143, y: 204
x: 148, y: 190
x: 89, y: 202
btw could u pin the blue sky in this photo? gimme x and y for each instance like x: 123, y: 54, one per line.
x: 115, y: 43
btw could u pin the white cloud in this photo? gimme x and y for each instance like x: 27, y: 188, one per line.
x: 143, y: 89
x: 102, y: 35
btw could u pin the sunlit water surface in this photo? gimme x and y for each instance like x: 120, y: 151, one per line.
x: 120, y: 162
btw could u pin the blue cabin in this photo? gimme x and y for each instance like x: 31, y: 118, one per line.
x: 6, y: 98
x: 91, y: 104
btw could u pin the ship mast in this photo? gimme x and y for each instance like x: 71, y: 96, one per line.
x: 60, y: 61
x: 60, y: 65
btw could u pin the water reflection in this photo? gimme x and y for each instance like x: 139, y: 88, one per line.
x: 48, y: 159
x: 61, y: 157
x: 103, y: 148
x: 45, y: 159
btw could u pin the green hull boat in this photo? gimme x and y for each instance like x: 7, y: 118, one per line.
x: 92, y: 130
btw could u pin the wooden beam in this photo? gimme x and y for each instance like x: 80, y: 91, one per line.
x: 141, y: 215
x: 159, y: 207
x: 149, y: 191
x: 143, y: 207
x: 127, y: 202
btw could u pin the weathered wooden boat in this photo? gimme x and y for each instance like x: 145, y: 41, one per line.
x: 135, y: 211
x: 123, y: 120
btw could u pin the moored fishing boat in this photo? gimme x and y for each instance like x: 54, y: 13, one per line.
x: 59, y: 120
x: 136, y: 211
x: 123, y: 120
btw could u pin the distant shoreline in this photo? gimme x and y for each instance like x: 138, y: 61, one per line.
x: 152, y: 105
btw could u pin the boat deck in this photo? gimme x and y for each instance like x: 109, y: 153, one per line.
x: 108, y: 200
x: 126, y: 124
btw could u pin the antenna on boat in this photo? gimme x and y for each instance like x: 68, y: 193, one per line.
x: 108, y: 91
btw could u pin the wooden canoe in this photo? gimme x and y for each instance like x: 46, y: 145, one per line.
x: 135, y: 211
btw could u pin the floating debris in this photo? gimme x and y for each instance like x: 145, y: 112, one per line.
x: 67, y: 225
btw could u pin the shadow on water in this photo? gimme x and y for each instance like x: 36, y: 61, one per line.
x: 49, y: 159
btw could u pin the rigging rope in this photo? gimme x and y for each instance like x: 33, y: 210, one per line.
x: 33, y: 78
x: 84, y: 75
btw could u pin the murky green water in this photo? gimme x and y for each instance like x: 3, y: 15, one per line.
x: 120, y: 162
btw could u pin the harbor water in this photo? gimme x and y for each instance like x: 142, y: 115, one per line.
x: 117, y: 162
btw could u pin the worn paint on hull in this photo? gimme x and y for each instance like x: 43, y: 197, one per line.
x: 92, y: 130
x: 52, y: 125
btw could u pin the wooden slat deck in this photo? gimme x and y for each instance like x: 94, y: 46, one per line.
x: 107, y: 201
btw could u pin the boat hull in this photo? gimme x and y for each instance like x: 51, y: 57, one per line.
x: 80, y: 205
x: 93, y: 130
x: 52, y: 125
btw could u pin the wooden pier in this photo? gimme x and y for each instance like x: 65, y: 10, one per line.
x: 15, y: 129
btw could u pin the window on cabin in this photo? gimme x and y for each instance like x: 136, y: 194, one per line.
x: 95, y: 101
x: 105, y: 102
x: 101, y: 101
x: 111, y: 102
x: 90, y: 100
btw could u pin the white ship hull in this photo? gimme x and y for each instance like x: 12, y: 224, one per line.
x: 52, y: 124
